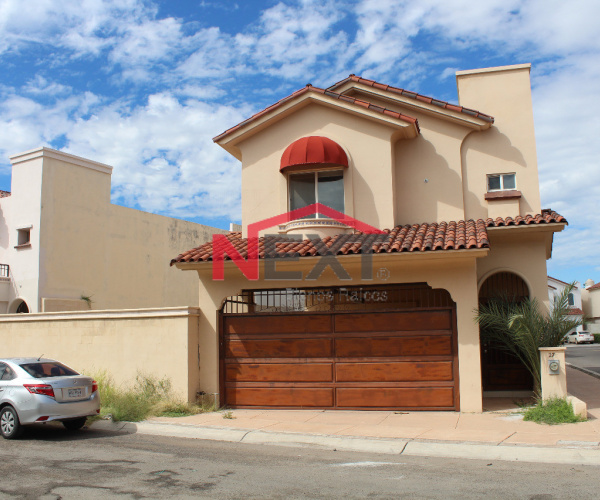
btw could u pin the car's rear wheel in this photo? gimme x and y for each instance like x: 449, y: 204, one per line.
x: 75, y: 424
x: 10, y: 427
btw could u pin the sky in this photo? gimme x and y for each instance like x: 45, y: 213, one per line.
x: 145, y: 85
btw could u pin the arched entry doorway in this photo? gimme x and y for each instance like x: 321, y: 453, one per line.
x: 501, y: 370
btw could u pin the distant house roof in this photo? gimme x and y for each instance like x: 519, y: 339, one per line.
x: 413, y: 95
x: 4, y: 194
x: 594, y: 287
x: 432, y: 237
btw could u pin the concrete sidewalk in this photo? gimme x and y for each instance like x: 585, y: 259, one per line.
x: 498, y: 433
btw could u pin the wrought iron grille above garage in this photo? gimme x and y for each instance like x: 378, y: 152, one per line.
x: 334, y: 299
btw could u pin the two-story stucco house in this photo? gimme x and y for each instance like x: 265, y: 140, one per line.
x: 430, y: 209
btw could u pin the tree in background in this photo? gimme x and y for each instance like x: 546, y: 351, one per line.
x: 521, y: 328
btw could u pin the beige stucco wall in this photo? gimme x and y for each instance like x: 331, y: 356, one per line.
x: 16, y: 213
x: 160, y: 342
x: 367, y: 182
x: 84, y: 246
x: 508, y: 146
x: 455, y: 272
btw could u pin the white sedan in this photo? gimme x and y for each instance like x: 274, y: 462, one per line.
x: 580, y: 338
x: 42, y: 390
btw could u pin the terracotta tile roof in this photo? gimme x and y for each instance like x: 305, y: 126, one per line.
x: 574, y: 311
x: 594, y: 287
x: 461, y: 235
x: 328, y: 93
x: 546, y: 217
x: 414, y: 95
x: 4, y: 194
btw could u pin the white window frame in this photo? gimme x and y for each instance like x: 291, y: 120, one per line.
x: 316, y: 174
x: 501, y: 176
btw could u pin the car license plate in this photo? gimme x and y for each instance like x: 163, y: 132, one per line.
x: 75, y: 393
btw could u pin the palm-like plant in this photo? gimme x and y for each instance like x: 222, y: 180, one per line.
x: 521, y: 328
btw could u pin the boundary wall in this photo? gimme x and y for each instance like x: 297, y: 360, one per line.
x: 162, y: 342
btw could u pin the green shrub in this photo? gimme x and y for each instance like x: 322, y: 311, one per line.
x: 596, y: 338
x: 148, y: 396
x: 552, y: 411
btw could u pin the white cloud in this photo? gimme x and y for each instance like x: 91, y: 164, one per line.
x: 164, y: 158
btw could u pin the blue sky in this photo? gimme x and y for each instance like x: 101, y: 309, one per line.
x: 144, y: 86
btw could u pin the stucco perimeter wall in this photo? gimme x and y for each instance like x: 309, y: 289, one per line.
x: 367, y: 181
x: 455, y: 272
x: 157, y: 342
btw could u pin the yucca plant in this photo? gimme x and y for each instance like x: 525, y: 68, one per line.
x: 521, y: 328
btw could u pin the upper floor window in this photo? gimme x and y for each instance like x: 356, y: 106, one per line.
x: 325, y: 187
x: 571, y: 299
x: 501, y: 182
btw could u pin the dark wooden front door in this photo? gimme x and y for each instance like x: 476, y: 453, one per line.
x: 340, y: 360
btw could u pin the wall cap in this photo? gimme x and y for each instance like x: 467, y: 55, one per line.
x: 493, y: 69
x: 558, y: 348
x: 44, y: 152
x: 163, y: 312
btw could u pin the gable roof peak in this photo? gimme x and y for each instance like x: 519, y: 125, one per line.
x: 413, y: 95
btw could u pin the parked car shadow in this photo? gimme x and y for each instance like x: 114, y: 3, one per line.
x: 55, y: 431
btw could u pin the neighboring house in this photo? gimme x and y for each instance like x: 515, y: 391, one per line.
x: 345, y: 319
x: 65, y: 247
x: 590, y: 298
x: 556, y: 287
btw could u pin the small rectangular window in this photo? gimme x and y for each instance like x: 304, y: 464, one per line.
x: 23, y: 236
x: 502, y: 182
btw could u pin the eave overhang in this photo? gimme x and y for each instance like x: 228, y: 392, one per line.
x: 456, y: 114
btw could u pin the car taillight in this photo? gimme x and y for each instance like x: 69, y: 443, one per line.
x: 94, y: 386
x: 44, y: 389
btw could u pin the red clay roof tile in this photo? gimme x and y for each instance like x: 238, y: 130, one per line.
x: 433, y: 237
x: 546, y: 217
x: 414, y: 95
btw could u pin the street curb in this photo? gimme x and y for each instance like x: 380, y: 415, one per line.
x: 584, y: 370
x: 520, y: 453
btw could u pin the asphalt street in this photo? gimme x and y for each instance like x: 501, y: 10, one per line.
x: 51, y: 463
x: 584, y: 356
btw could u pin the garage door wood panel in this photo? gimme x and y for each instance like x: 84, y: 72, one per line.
x: 308, y: 323
x: 385, y: 322
x: 394, y: 346
x: 375, y: 360
x: 421, y: 397
x: 280, y: 372
x: 281, y: 397
x: 393, y: 372
x: 285, y: 348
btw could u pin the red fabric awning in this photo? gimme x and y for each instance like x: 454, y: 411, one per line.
x: 311, y: 151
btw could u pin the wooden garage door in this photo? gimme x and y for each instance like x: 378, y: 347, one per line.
x: 382, y: 360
